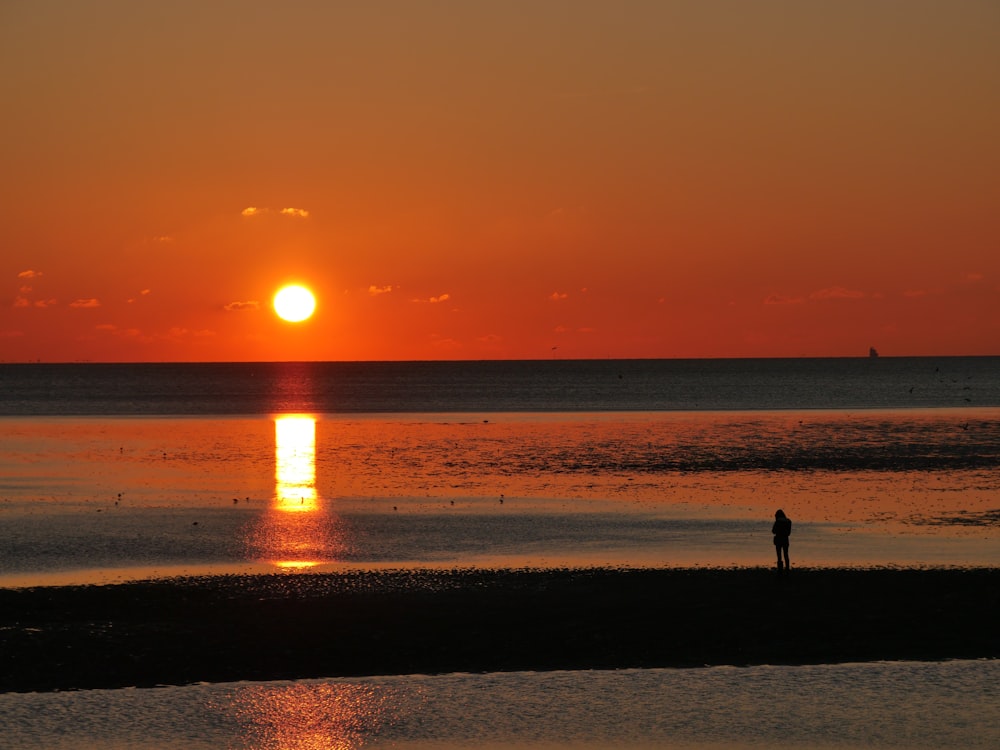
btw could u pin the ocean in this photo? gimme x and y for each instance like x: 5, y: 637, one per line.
x: 203, y: 389
x: 114, y: 472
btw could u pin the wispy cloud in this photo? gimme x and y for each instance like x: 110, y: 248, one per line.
x: 445, y: 342
x: 781, y: 299
x: 558, y: 296
x: 133, y: 334
x: 294, y: 213
x: 440, y: 298
x: 836, y: 292
x: 179, y: 332
x: 974, y: 277
x: 241, y: 306
x: 90, y: 302
x: 820, y: 295
x: 374, y: 291
x: 29, y: 274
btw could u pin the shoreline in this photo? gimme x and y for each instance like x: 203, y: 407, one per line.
x: 328, y: 625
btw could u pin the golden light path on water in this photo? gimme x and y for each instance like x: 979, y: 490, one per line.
x: 295, y: 464
x: 296, y: 537
x: 295, y: 533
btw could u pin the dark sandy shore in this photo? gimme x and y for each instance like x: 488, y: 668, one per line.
x: 228, y: 628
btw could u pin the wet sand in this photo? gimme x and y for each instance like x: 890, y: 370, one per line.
x: 288, y: 626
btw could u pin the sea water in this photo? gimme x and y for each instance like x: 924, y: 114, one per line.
x: 845, y: 706
x: 112, y: 472
x: 92, y: 499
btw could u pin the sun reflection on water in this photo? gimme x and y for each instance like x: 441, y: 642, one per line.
x: 297, y: 532
x: 311, y: 716
x: 295, y: 463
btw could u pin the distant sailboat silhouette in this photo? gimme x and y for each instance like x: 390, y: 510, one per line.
x: 872, y: 352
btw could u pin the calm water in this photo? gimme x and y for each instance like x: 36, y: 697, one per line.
x: 109, y: 472
x: 85, y: 498
x: 157, y: 468
x: 559, y: 386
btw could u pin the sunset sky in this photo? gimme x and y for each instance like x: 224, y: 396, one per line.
x: 483, y: 180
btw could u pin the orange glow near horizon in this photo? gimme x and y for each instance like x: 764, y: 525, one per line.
x: 463, y: 182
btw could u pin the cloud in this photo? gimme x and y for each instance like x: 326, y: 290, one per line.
x: 29, y: 274
x: 179, y: 332
x: 973, y: 277
x: 374, y: 291
x: 126, y: 333
x: 45, y: 302
x: 433, y: 300
x: 558, y: 296
x: 90, y: 302
x: 489, y: 338
x: 836, y: 292
x: 780, y: 299
x: 240, y: 306
x: 295, y: 213
x: 445, y: 342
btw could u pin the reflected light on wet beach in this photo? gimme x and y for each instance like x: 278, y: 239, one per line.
x: 296, y: 532
x: 304, y: 716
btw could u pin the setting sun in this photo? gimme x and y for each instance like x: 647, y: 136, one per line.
x: 294, y: 303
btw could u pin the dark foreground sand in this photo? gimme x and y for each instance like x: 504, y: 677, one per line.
x: 296, y: 626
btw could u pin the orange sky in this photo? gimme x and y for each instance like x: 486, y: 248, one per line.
x: 463, y: 180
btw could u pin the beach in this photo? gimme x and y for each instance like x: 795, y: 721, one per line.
x: 586, y: 562
x: 293, y: 626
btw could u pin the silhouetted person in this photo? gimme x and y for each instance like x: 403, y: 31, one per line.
x: 781, y: 529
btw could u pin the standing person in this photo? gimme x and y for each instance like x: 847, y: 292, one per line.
x: 781, y: 529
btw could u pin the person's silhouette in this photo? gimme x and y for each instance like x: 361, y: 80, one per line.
x: 781, y: 529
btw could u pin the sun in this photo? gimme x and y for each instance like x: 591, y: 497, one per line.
x: 294, y: 303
